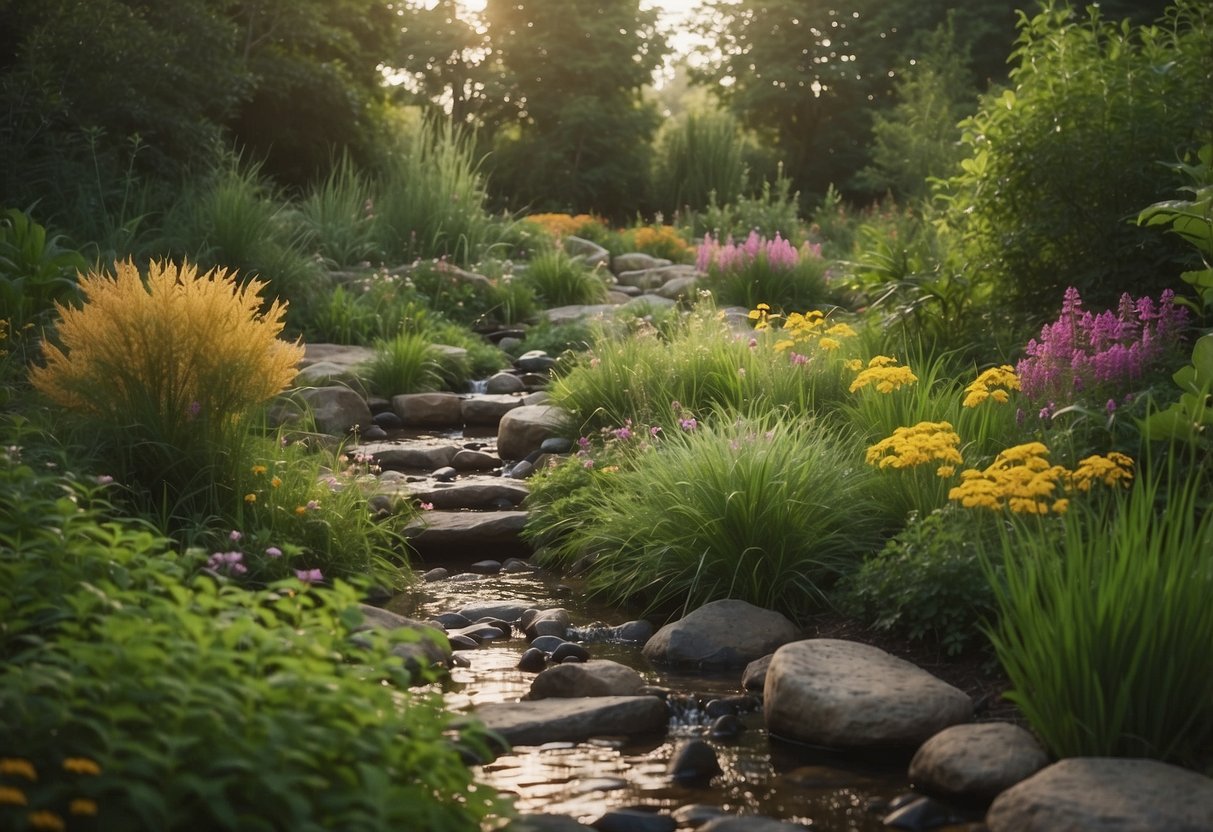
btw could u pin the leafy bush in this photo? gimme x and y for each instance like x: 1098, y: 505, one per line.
x: 1034, y: 201
x: 774, y: 210
x: 143, y: 696
x: 36, y: 270
x: 166, y: 373
x: 1103, y: 631
x: 700, y: 162
x: 770, y: 510
x: 927, y: 583
x: 338, y: 216
x: 559, y: 280
x: 762, y: 271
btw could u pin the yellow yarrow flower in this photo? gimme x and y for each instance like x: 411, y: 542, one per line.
x: 1023, y: 480
x: 18, y: 767
x: 920, y: 444
x: 883, y: 373
x: 992, y: 384
x: 82, y: 806
x: 81, y: 765
x: 1113, y: 469
x: 258, y: 470
x: 46, y: 820
x: 250, y: 498
x: 12, y: 797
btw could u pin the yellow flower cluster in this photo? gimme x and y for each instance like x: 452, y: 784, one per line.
x: 1022, y: 479
x: 884, y: 374
x: 42, y: 818
x: 920, y: 444
x: 660, y: 241
x: 562, y: 225
x: 995, y: 383
x: 798, y: 328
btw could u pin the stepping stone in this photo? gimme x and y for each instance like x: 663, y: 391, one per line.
x: 574, y: 720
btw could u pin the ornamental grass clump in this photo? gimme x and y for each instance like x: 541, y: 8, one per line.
x: 167, y: 370
x: 762, y: 271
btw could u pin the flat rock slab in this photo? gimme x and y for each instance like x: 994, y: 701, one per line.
x: 721, y: 634
x: 574, y: 720
x: 1104, y: 794
x: 465, y: 528
x: 848, y: 695
x: 343, y: 355
x: 481, y: 492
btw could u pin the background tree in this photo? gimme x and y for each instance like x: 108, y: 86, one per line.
x: 574, y: 132
x: 438, y: 60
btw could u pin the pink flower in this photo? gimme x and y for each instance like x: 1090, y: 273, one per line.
x: 273, y: 552
x: 427, y: 506
x: 688, y: 424
x: 104, y: 479
x: 309, y: 576
x: 234, y: 536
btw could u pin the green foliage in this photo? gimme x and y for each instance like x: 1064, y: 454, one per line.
x: 36, y: 272
x: 773, y: 211
x: 1103, y: 628
x: 699, y: 160
x: 927, y: 583
x: 407, y: 363
x: 338, y: 215
x: 798, y: 286
x: 559, y: 280
x: 175, y: 701
x: 555, y: 339
x: 769, y: 510
x: 1034, y: 203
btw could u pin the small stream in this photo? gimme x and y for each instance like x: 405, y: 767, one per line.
x: 821, y: 789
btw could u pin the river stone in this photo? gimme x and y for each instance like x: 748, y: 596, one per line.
x: 388, y: 420
x: 643, y: 279
x: 589, y: 251
x: 474, y: 494
x: 452, y: 620
x: 522, y: 470
x: 726, y: 727
x: 600, y: 677
x: 844, y: 694
x: 503, y: 383
x: 548, y: 644
x: 534, y: 361
x: 515, y: 565
x: 336, y: 410
x: 438, y: 573
x: 1103, y: 794
x: 694, y: 759
x: 505, y: 610
x: 428, y: 409
x: 695, y: 815
x: 405, y: 459
x: 726, y: 633
x: 633, y: 632
x: 978, y: 760
x: 465, y: 460
x: 546, y: 823
x: 678, y: 288
x: 437, y: 531
x: 634, y: 820
x: 922, y: 813
x: 755, y: 675
x: 553, y: 622
x: 445, y: 474
x: 373, y: 433
x: 751, y: 823
x: 537, y: 398
x: 431, y: 648
x: 570, y: 652
x: 532, y: 660
x: 573, y: 720
x: 636, y: 261
x: 488, y: 410
x: 485, y: 567
x: 523, y: 429
x: 556, y: 445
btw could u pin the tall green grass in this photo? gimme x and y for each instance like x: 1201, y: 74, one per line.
x: 699, y: 160
x: 1104, y: 630
x: 407, y: 363
x: 558, y: 280
x: 338, y: 216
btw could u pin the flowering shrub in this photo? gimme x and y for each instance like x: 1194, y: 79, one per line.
x: 1023, y: 480
x: 1100, y: 358
x: 762, y: 270
x: 660, y: 241
x: 563, y: 225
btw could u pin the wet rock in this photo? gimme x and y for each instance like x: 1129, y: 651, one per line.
x: 534, y: 361
x: 573, y: 720
x: 528, y: 615
x: 452, y: 620
x: 553, y: 622
x: 548, y: 644
x: 633, y: 632
x: 556, y: 445
x: 388, y: 420
x: 755, y: 675
x: 443, y: 531
x: 480, y: 633
x: 978, y: 760
x: 372, y: 433
x: 570, y: 652
x: 751, y: 823
x: 488, y: 410
x: 504, y: 627
x: 462, y: 642
x: 532, y: 660
x: 546, y: 823
x: 336, y: 410
x: 634, y: 820
x: 445, y: 474
x: 438, y: 573
x: 504, y: 610
x: 726, y: 633
x: 485, y: 567
x: 503, y: 383
x: 523, y: 429
x: 428, y: 409
x: 921, y: 814
x: 412, y: 459
x: 726, y: 727
x: 1102, y: 794
x: 521, y: 471
x: 431, y: 648
x: 458, y: 660
x: 465, y: 460
x: 844, y: 694
x: 537, y: 397
x: 515, y: 565
x: 470, y: 494
x: 591, y: 678
x: 694, y: 760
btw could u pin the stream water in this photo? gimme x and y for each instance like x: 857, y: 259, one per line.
x: 824, y: 790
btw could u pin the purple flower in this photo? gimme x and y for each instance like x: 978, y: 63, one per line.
x: 309, y: 576
x: 653, y: 431
x: 229, y: 562
x: 104, y: 479
x: 234, y: 536
x: 688, y: 424
x: 624, y: 432
x: 583, y: 442
x: 273, y: 552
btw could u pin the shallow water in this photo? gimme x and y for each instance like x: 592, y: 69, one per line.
x: 828, y: 791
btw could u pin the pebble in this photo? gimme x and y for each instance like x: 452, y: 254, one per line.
x: 726, y: 727
x: 445, y: 474
x: 463, y: 642
x: 452, y: 620
x: 548, y: 644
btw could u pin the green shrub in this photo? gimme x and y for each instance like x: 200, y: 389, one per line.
x: 1034, y: 202
x: 148, y: 697
x: 338, y: 216
x: 769, y: 510
x: 927, y: 583
x: 408, y: 363
x: 774, y: 210
x: 699, y: 162
x: 559, y: 280
x: 36, y: 271
x: 1104, y: 628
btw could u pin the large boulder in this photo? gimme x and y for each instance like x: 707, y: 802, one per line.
x: 844, y: 694
x: 1103, y: 794
x: 523, y: 429
x: 597, y: 677
x: 336, y: 410
x: 590, y: 253
x: 430, y: 648
x: 574, y: 720
x: 488, y: 409
x: 976, y: 760
x: 727, y: 633
x: 636, y: 261
x: 434, y: 410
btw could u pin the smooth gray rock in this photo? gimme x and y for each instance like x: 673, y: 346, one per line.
x: 548, y: 644
x: 446, y: 473
x: 694, y: 759
x: 488, y: 409
x: 977, y: 760
x: 428, y: 409
x: 336, y: 410
x: 432, y: 647
x: 592, y: 254
x: 465, y: 460
x: 532, y: 660
x: 474, y: 494
x: 751, y: 823
x: 678, y: 288
x: 633, y: 632
x: 636, y: 261
x: 645, y: 279
x: 391, y: 458
x: 574, y: 720
x: 388, y: 420
x: 1104, y: 794
x: 523, y: 429
x: 755, y: 675
x: 726, y: 633
x: 466, y: 528
x: 844, y: 694
x: 485, y: 567
x: 572, y: 314
x: 599, y: 677
x: 552, y: 622
x: 503, y: 383
x: 505, y: 610
x: 534, y: 361
x: 438, y: 573
x: 570, y: 652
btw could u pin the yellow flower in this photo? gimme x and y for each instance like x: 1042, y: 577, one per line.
x: 12, y: 797
x: 301, y: 510
x: 841, y: 331
x: 275, y: 482
x: 81, y: 765
x: 829, y: 343
x: 988, y: 384
x: 46, y: 820
x: 82, y: 806
x: 925, y: 442
x: 1113, y: 469
x: 258, y: 470
x: 883, y: 373
x: 250, y: 498
x: 853, y: 364
x: 18, y: 767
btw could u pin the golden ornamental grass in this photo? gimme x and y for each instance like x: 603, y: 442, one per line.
x: 179, y: 350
